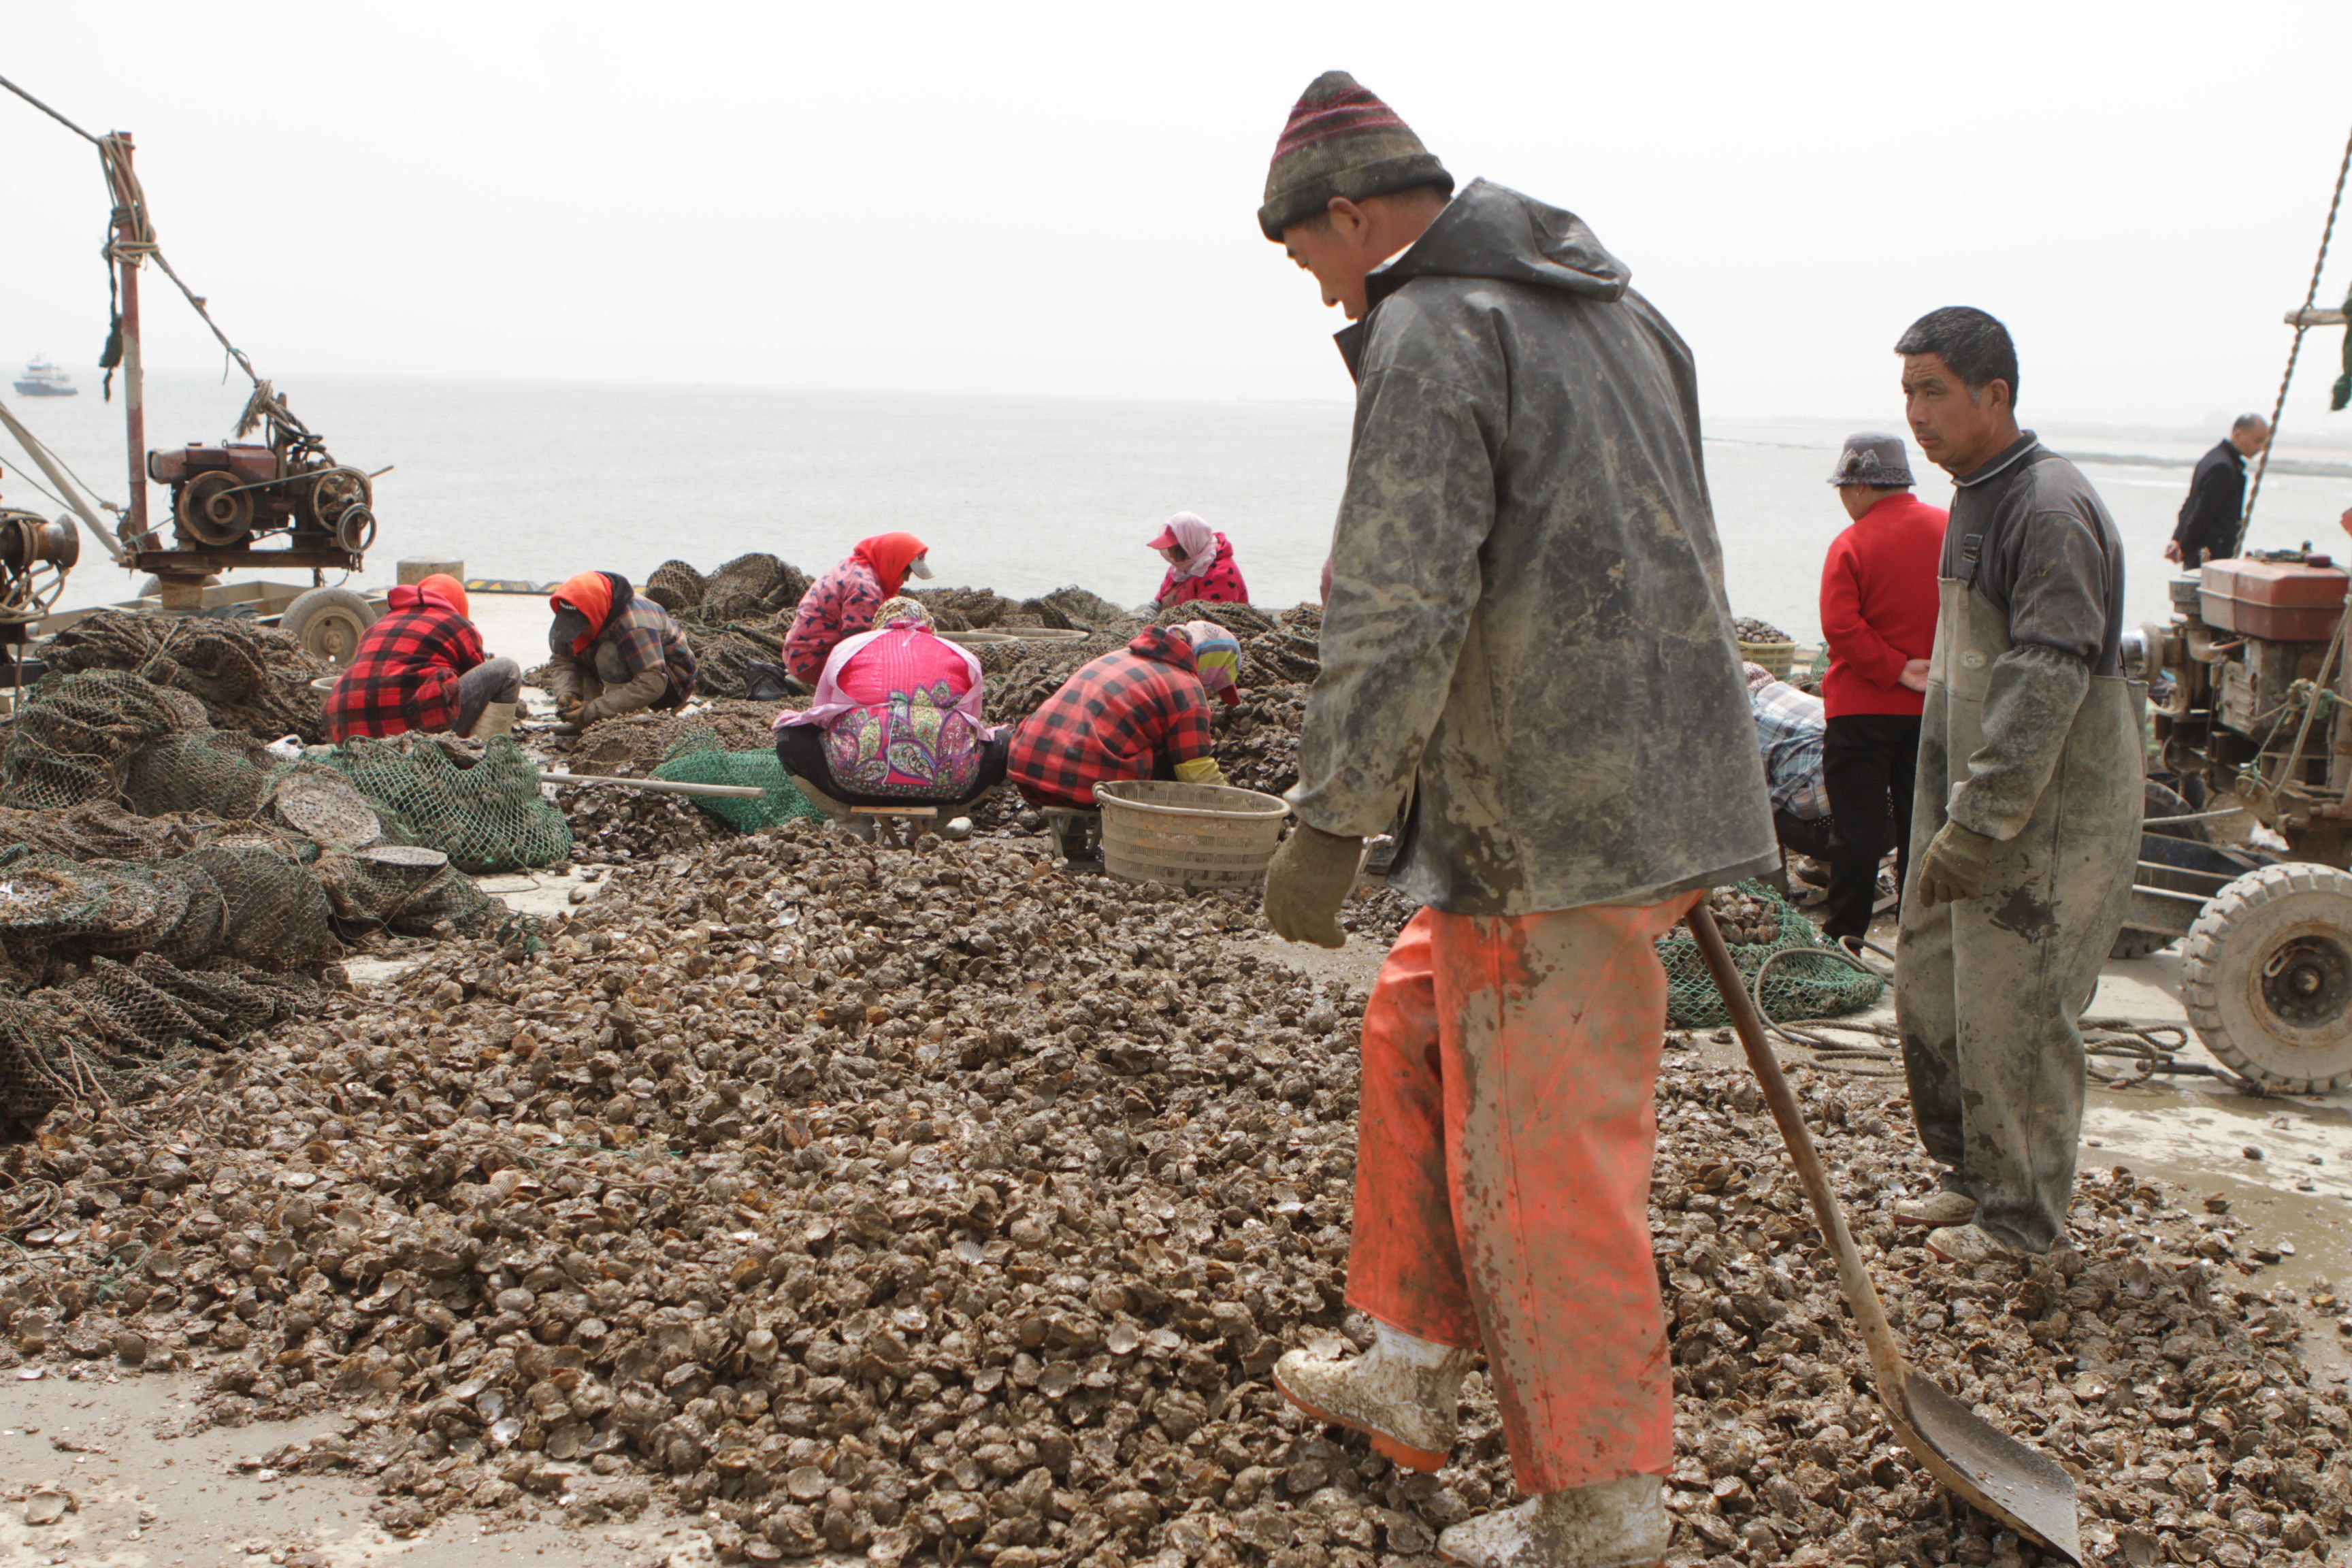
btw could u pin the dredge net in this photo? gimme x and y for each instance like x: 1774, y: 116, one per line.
x: 698, y: 756
x: 485, y: 814
x: 247, y: 678
x: 1807, y: 984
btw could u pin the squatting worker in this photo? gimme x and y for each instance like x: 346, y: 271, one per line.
x: 1200, y: 565
x: 896, y: 720
x: 422, y: 667
x: 2026, y: 825
x: 1788, y: 731
x: 612, y: 651
x: 1138, y: 712
x: 1525, y: 524
x: 2208, y: 526
x: 1878, y: 613
x: 841, y: 603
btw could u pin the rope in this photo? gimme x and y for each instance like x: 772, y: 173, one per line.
x: 2310, y: 297
x: 45, y: 108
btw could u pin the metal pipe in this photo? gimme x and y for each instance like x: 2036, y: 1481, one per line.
x: 72, y: 493
x: 2192, y: 816
x: 665, y: 786
x: 134, y: 402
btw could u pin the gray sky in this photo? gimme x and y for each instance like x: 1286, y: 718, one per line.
x: 1057, y: 198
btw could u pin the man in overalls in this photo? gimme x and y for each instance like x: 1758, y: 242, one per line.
x: 2026, y: 823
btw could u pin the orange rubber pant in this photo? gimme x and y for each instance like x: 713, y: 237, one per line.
x: 1503, y: 1174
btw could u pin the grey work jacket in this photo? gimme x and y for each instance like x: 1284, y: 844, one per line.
x: 1527, y: 628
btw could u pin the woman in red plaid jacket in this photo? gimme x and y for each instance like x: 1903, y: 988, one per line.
x: 1141, y: 712
x: 422, y: 667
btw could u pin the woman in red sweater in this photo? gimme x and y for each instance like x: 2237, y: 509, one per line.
x: 1878, y: 613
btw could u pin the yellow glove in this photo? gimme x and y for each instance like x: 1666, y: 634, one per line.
x: 1200, y: 770
x: 1953, y: 867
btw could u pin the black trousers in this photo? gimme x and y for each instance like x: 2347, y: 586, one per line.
x: 1870, y: 763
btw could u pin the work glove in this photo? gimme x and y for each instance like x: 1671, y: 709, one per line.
x: 1308, y: 881
x: 1953, y: 867
x: 1201, y: 771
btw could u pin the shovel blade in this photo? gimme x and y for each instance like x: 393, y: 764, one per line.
x: 2022, y: 1486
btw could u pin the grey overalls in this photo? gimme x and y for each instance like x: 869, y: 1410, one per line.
x: 1987, y: 990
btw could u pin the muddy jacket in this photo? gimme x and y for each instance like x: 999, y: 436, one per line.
x: 1526, y: 615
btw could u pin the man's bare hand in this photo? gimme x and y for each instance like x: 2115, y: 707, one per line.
x: 2172, y: 550
x: 1915, y: 674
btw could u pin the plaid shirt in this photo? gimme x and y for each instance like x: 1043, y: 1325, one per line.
x: 646, y: 638
x: 404, y: 675
x: 1119, y: 718
x: 1788, y: 727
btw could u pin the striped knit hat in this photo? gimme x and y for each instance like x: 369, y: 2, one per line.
x: 1341, y: 140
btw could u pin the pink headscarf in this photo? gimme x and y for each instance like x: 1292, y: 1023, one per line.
x: 1197, y: 540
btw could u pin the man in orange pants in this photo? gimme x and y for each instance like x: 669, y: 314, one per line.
x: 1526, y: 638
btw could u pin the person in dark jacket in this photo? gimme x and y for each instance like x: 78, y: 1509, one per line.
x: 422, y: 667
x: 2208, y: 528
x: 612, y: 651
x: 1878, y: 613
x: 1525, y: 524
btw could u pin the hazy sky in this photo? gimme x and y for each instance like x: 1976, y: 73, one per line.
x: 1058, y: 198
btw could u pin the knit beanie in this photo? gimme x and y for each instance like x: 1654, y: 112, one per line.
x: 1341, y: 140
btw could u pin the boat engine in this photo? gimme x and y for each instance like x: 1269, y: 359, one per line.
x: 2259, y: 703
x: 225, y: 496
x: 34, y: 556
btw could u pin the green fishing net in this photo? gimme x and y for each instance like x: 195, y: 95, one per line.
x: 1806, y: 985
x: 488, y: 815
x: 697, y: 756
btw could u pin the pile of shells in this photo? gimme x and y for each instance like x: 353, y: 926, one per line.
x: 615, y: 826
x: 637, y: 743
x: 1746, y: 919
x: 1257, y: 741
x: 937, y: 1204
x: 1753, y: 630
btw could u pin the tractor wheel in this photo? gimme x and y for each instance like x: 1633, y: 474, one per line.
x: 329, y: 622
x: 2266, y: 977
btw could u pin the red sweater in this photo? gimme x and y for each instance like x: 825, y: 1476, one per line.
x: 1878, y: 606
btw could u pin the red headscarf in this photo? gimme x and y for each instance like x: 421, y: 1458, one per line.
x: 591, y: 594
x: 889, y: 556
x: 447, y: 591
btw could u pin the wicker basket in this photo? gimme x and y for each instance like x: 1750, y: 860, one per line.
x: 1191, y: 835
x: 1775, y: 657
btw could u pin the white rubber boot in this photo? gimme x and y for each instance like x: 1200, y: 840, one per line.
x: 1614, y: 1525
x: 498, y: 719
x: 1404, y: 1394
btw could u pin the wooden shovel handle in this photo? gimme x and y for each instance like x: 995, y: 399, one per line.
x: 1886, y: 1356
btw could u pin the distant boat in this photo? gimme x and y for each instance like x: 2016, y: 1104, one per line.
x: 42, y: 379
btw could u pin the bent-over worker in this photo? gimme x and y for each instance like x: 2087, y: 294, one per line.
x: 896, y: 720
x: 1201, y: 567
x: 422, y: 667
x: 1788, y: 731
x: 613, y: 651
x: 842, y: 602
x: 1878, y: 614
x: 1137, y: 712
x: 2026, y: 827
x: 1525, y: 524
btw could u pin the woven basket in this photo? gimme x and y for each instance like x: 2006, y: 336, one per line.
x: 1775, y: 657
x: 1190, y: 835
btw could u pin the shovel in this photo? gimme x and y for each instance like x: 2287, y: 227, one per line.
x: 2020, y: 1486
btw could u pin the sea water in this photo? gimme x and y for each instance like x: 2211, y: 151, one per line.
x: 536, y: 482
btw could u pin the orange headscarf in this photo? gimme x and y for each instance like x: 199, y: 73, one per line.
x: 447, y: 591
x: 591, y: 594
x: 889, y: 555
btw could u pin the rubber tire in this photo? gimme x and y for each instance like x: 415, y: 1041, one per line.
x: 2130, y: 943
x: 2221, y: 958
x: 330, y: 623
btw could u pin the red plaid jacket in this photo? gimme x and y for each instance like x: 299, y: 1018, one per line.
x: 404, y: 675
x: 1121, y: 716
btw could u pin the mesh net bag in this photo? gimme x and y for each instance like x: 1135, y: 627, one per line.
x: 216, y: 771
x: 486, y: 816
x: 276, y: 914
x: 698, y: 757
x: 1808, y: 985
x: 410, y: 892
x: 75, y: 735
x: 245, y: 677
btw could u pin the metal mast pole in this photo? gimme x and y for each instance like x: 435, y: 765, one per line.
x: 128, y: 251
